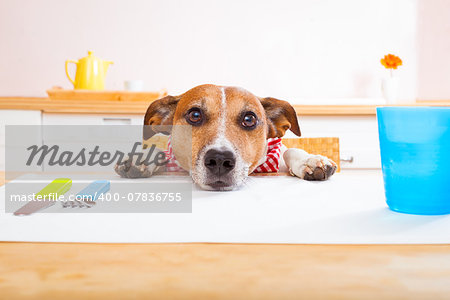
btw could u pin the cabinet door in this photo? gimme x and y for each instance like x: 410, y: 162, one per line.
x: 17, y: 117
x: 87, y: 119
x: 92, y: 119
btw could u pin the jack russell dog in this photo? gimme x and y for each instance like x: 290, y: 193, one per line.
x: 233, y: 133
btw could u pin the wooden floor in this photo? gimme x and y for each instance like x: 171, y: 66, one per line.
x: 223, y: 271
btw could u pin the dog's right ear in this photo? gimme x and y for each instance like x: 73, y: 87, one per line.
x: 159, y: 116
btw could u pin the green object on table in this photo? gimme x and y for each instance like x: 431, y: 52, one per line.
x: 59, y: 186
x: 46, y: 197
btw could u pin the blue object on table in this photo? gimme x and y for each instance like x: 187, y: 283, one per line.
x: 93, y: 190
x: 415, y: 158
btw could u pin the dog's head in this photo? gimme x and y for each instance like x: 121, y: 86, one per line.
x: 230, y: 128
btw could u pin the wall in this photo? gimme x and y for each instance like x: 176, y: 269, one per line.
x: 434, y: 50
x: 297, y: 50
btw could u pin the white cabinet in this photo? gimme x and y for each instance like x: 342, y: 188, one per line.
x: 16, y: 117
x: 91, y: 119
x: 358, y: 137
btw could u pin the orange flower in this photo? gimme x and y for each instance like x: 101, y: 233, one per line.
x: 391, y: 61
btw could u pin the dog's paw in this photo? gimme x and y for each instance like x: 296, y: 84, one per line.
x: 315, y: 167
x: 129, y: 169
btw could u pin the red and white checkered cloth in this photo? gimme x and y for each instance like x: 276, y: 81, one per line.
x: 172, y: 164
x: 271, y: 165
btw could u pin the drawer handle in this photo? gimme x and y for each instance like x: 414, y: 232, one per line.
x: 124, y: 121
x: 347, y: 159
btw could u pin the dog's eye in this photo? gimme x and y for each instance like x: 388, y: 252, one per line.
x: 249, y: 121
x: 194, y: 116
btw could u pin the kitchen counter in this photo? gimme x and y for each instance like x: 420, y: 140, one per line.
x: 139, y: 107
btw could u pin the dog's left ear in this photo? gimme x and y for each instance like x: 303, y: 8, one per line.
x: 159, y: 116
x: 281, y: 116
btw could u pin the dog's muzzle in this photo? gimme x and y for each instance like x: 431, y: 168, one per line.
x: 219, y: 164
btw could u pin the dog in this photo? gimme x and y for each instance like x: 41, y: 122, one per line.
x: 230, y: 129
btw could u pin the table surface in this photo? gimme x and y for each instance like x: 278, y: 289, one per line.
x: 223, y: 271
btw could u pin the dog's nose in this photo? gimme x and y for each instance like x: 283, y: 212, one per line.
x: 219, y: 162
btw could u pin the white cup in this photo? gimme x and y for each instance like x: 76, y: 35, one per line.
x: 134, y: 85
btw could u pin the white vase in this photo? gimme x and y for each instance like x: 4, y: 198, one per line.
x: 389, y: 87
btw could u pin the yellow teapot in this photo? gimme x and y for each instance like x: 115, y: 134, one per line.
x: 90, y: 74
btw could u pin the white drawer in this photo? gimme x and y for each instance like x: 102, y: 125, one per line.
x: 91, y: 119
x: 89, y: 135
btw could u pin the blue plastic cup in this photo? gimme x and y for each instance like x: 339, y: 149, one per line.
x: 415, y: 158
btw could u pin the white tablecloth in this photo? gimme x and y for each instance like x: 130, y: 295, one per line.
x: 349, y: 208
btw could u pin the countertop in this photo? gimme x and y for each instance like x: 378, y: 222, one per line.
x: 139, y: 107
